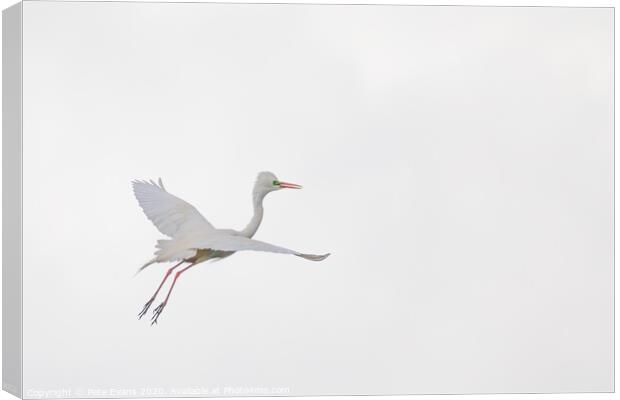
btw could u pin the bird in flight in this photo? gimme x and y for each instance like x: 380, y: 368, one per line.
x: 193, y: 240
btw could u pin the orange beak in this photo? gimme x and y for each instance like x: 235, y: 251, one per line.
x: 287, y: 185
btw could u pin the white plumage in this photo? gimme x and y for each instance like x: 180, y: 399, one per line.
x: 172, y: 216
x: 192, y: 239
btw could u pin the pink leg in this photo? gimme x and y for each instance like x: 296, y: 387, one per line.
x: 160, y: 308
x: 152, y: 299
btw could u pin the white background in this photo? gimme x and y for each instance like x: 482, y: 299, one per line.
x: 236, y: 185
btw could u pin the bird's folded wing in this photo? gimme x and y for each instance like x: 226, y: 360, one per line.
x: 241, y: 243
x: 171, y: 215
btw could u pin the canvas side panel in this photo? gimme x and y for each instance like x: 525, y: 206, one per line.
x: 12, y: 200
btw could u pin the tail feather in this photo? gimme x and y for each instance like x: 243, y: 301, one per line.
x: 173, y: 250
x: 150, y: 262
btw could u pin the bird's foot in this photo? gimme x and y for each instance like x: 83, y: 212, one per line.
x: 157, y: 312
x: 146, y: 307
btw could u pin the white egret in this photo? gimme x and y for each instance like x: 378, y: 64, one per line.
x: 193, y: 239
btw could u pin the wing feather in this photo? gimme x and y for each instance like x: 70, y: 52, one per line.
x: 171, y: 215
x: 228, y: 242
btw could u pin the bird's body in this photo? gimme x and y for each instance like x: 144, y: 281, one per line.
x: 192, y: 239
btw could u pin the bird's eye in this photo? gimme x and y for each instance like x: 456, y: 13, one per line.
x: 276, y: 183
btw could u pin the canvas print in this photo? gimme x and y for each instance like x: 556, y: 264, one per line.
x: 454, y: 233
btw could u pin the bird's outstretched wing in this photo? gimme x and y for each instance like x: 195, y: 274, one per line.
x: 225, y: 242
x: 241, y: 243
x: 171, y: 215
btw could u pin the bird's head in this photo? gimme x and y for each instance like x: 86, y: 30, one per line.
x: 267, y: 182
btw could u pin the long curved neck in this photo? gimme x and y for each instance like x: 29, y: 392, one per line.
x: 252, y: 227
